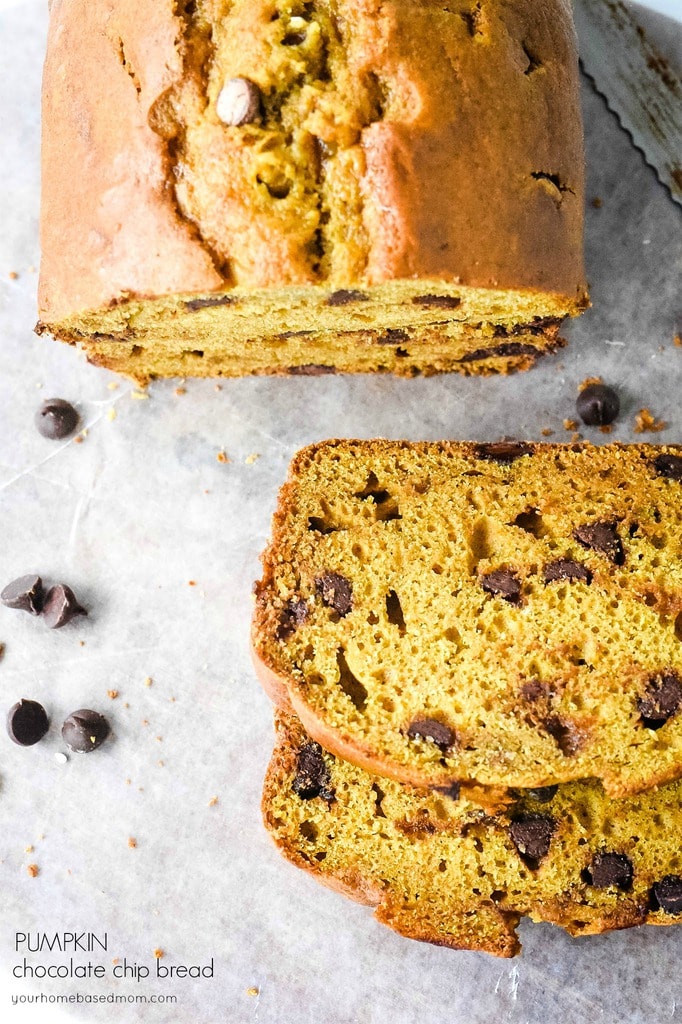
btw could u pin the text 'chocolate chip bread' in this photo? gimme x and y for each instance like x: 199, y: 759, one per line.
x: 501, y: 614
x: 253, y: 186
x: 443, y: 871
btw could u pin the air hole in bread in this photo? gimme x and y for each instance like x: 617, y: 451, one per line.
x: 394, y: 611
x: 350, y: 684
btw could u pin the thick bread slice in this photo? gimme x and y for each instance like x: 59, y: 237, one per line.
x: 441, y: 870
x: 499, y: 615
x: 403, y: 191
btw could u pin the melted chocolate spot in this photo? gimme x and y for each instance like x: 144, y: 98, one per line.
x: 294, y: 614
x: 310, y: 370
x: 437, y: 301
x: 507, y: 349
x: 566, y: 569
x: 503, y: 452
x: 502, y: 583
x: 610, y: 869
x: 567, y: 737
x: 669, y: 466
x: 312, y: 774
x: 392, y: 337
x: 429, y: 729
x: 336, y: 591
x: 666, y: 895
x: 218, y: 300
x: 532, y: 834
x: 662, y: 699
x: 602, y: 537
x: 344, y: 296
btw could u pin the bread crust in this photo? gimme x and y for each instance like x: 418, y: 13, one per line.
x: 501, y: 140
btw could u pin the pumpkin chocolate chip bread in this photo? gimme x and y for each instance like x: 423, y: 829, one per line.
x: 256, y: 186
x: 441, y: 870
x: 503, y: 615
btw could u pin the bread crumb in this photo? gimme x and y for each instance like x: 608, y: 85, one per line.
x: 589, y: 380
x: 79, y: 438
x: 191, y: 583
x: 576, y: 437
x: 570, y: 424
x: 253, y: 991
x: 148, y: 681
x: 126, y: 704
x: 132, y: 842
x: 218, y: 387
x: 646, y: 423
x: 606, y: 428
x: 115, y: 960
x: 159, y: 739
x: 213, y: 801
x: 250, y: 459
x: 112, y: 385
x: 33, y: 870
x: 161, y: 763
x: 677, y: 340
x: 222, y: 456
x: 139, y: 395
x: 113, y: 694
x: 29, y: 849
x: 13, y: 275
x: 546, y: 431
x: 597, y: 202
x: 129, y: 782
x: 159, y: 953
x: 32, y: 269
x: 180, y: 391
x: 145, y: 721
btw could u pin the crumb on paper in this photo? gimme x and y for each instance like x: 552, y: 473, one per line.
x: 213, y: 801
x: 222, y: 456
x: 113, y: 694
x: 172, y: 700
x: 28, y: 849
x: 126, y: 704
x: 111, y: 414
x: 138, y: 395
x: 546, y: 431
x: 606, y: 428
x: 148, y: 681
x: 115, y: 960
x: 159, y: 739
x: 646, y: 423
x: 79, y: 438
x: 112, y: 385
x: 180, y: 391
x: 132, y: 842
x: 129, y: 782
x: 33, y: 870
x: 597, y: 202
x: 32, y: 269
x: 677, y: 340
x: 191, y: 583
x: 218, y: 387
x: 159, y: 953
x: 570, y: 424
x: 13, y: 275
x: 145, y: 721
x: 576, y: 437
x: 588, y: 381
x: 82, y: 643
x: 253, y: 991
x: 250, y: 459
x: 161, y: 764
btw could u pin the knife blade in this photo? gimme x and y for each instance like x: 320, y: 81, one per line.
x: 639, y: 85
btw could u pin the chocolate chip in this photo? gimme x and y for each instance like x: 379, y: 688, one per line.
x: 667, y: 894
x: 218, y: 300
x: 293, y: 615
x: 669, y: 466
x: 542, y: 795
x: 27, y: 722
x: 24, y: 594
x: 566, y: 735
x: 533, y: 690
x: 602, y: 537
x: 662, y: 699
x: 597, y: 405
x: 609, y: 869
x: 344, y: 296
x: 60, y: 606
x: 429, y: 729
x: 566, y: 569
x: 312, y: 774
x: 336, y: 591
x: 310, y: 370
x: 439, y: 301
x: 56, y: 419
x: 506, y: 349
x: 452, y: 791
x: 85, y: 730
x: 503, y: 452
x: 392, y: 337
x: 532, y: 834
x: 502, y: 583
x: 239, y: 102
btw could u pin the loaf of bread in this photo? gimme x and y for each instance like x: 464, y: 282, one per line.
x: 441, y: 870
x: 260, y: 186
x: 500, y: 615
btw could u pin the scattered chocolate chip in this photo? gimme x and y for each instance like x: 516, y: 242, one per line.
x: 667, y: 894
x: 602, y: 537
x: 565, y: 734
x: 344, y: 296
x: 85, y: 730
x: 429, y: 729
x: 662, y: 699
x: 542, y: 795
x: 597, y: 405
x: 336, y: 591
x: 56, y: 419
x: 24, y: 594
x: 439, y: 301
x: 239, y: 102
x: 293, y: 615
x: 312, y: 774
x: 533, y: 690
x: 669, y: 466
x: 218, y: 300
x: 566, y: 569
x: 502, y: 583
x: 532, y: 834
x: 393, y: 336
x: 310, y: 370
x: 452, y: 791
x: 508, y: 349
x: 609, y: 869
x: 503, y: 452
x: 27, y: 722
x: 60, y: 606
